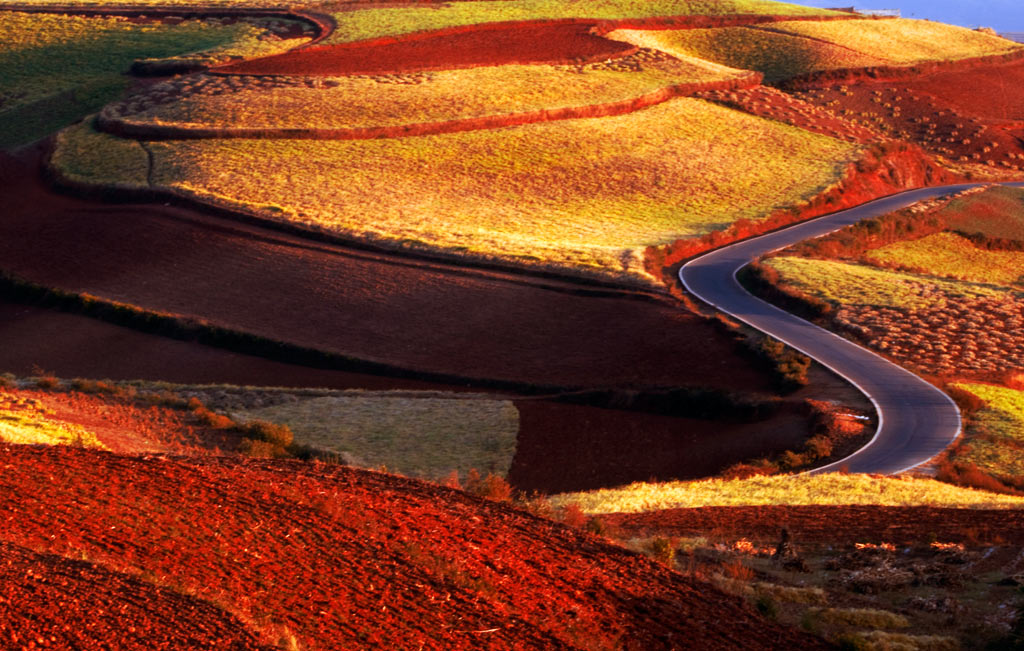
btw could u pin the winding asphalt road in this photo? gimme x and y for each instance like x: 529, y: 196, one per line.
x: 916, y: 421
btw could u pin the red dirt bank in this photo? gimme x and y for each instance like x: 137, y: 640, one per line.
x: 484, y: 45
x: 344, y: 559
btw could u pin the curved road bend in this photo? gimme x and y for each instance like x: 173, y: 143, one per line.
x: 916, y: 421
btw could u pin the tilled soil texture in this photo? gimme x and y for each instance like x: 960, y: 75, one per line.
x: 565, y: 447
x: 484, y: 45
x: 967, y: 116
x: 49, y: 602
x: 830, y: 524
x: 71, y: 346
x: 426, y: 317
x: 340, y: 558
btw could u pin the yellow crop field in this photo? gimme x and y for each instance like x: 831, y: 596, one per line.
x: 40, y: 92
x: 902, y: 41
x: 418, y: 436
x: 827, y: 489
x: 777, y: 55
x: 995, y: 437
x: 846, y: 283
x: 995, y: 212
x: 952, y: 256
x: 384, y: 101
x: 392, y: 21
x: 88, y: 157
x: 26, y: 421
x: 581, y: 195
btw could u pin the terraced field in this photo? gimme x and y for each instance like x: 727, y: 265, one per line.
x: 403, y: 99
x: 40, y: 93
x: 581, y: 196
x: 788, y: 49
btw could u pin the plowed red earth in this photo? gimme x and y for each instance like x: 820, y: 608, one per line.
x: 564, y: 447
x: 830, y: 524
x: 426, y: 317
x: 485, y: 45
x: 49, y: 602
x: 350, y: 559
x: 989, y: 92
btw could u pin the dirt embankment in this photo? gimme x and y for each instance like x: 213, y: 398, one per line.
x: 884, y: 168
x: 831, y: 524
x: 332, y: 557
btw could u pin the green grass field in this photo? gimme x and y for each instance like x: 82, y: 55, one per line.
x: 952, y: 256
x: 848, y: 283
x: 995, y: 438
x: 58, y: 68
x: 785, y: 490
x: 417, y: 436
x: 584, y: 196
x: 354, y: 101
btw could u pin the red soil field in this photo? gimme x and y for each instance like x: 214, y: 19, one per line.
x: 51, y: 602
x: 416, y: 315
x: 340, y: 558
x: 969, y: 114
x: 482, y: 45
x: 564, y: 447
x: 994, y: 92
x: 831, y: 524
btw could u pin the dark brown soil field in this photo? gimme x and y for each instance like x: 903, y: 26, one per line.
x: 42, y: 341
x: 329, y: 557
x: 49, y: 602
x: 831, y: 524
x: 482, y: 45
x: 420, y: 316
x: 564, y: 447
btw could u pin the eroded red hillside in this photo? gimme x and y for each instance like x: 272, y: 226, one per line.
x: 340, y: 558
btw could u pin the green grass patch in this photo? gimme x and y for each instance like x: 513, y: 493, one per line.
x: 847, y: 283
x: 995, y: 438
x: 953, y: 256
x: 58, y: 68
x: 417, y: 436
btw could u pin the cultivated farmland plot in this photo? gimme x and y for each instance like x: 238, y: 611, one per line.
x: 385, y: 302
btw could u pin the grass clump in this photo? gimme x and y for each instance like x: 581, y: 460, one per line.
x: 860, y: 617
x: 585, y: 196
x: 829, y: 489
